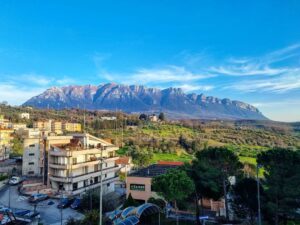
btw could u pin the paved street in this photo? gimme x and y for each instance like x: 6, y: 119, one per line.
x: 50, y: 214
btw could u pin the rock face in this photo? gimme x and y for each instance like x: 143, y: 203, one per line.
x: 135, y: 98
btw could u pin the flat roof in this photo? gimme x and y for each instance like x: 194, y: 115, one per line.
x: 153, y: 170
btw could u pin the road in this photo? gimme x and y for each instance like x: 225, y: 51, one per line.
x: 50, y: 214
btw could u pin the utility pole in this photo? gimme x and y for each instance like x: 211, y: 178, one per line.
x: 258, y: 195
x: 101, y: 191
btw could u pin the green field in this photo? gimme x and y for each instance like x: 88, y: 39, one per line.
x: 171, y: 157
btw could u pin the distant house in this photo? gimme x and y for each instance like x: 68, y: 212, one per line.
x: 25, y: 116
x: 125, y: 164
x: 153, y: 118
x: 108, y: 118
x: 71, y: 127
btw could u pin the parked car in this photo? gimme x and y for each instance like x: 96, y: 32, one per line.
x: 34, y: 198
x: 4, y: 209
x: 64, y: 203
x: 76, y: 203
x: 14, y: 180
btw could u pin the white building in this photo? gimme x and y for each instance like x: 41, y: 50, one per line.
x: 25, y: 116
x: 75, y: 166
x: 71, y: 162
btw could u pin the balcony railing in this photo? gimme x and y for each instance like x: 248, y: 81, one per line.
x: 83, y: 176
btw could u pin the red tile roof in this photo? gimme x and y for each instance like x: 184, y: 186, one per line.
x: 175, y: 163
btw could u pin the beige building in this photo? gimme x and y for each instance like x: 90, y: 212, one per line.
x: 17, y: 126
x: 56, y: 127
x: 5, y: 143
x: 75, y: 166
x: 139, y: 183
x: 43, y: 125
x: 71, y: 162
x: 35, y: 156
x: 71, y: 127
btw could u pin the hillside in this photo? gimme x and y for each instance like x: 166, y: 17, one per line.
x: 174, y: 140
x: 136, y: 99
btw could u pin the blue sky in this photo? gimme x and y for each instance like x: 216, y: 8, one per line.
x: 243, y: 50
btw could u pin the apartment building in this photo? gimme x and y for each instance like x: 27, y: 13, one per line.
x: 75, y: 167
x: 42, y: 125
x: 17, y: 126
x: 35, y: 156
x: 56, y: 127
x: 5, y: 143
x: 71, y: 127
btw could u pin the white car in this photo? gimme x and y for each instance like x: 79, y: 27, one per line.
x: 14, y: 180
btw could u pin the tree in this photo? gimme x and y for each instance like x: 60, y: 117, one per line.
x: 17, y: 147
x: 161, y: 116
x: 244, y: 199
x: 225, y: 164
x: 282, y: 182
x: 140, y: 157
x: 143, y: 117
x: 207, y: 182
x: 130, y: 202
x: 173, y: 186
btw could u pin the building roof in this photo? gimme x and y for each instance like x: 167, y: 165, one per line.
x: 175, y: 163
x: 153, y: 170
x: 123, y: 160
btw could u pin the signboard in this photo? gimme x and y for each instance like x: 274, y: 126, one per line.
x: 137, y: 187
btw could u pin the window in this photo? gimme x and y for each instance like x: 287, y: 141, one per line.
x: 75, y: 186
x: 108, y: 185
x: 96, y: 179
x: 31, y: 163
x: 32, y: 146
x: 30, y: 172
x: 74, y: 161
x: 31, y: 154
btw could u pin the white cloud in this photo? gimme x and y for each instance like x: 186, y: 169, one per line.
x: 281, y: 84
x: 16, y: 95
x: 190, y: 88
x: 259, y: 65
x: 168, y: 74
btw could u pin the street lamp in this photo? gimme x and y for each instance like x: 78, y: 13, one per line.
x: 258, y: 194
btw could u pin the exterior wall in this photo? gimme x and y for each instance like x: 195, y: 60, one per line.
x: 56, y: 127
x: 43, y: 125
x: 5, y: 143
x: 17, y: 126
x: 31, y: 157
x: 79, y: 170
x: 25, y: 116
x: 71, y: 127
x: 142, y: 194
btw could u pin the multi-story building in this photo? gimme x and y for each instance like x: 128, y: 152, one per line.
x: 71, y: 162
x: 43, y: 125
x: 71, y: 127
x: 56, y: 127
x: 76, y: 167
x: 35, y: 156
x: 25, y: 116
x: 5, y: 143
x: 17, y: 126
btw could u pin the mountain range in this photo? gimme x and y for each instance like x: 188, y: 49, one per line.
x: 137, y: 98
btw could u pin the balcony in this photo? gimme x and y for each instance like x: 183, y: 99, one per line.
x: 95, y: 185
x: 84, y: 176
